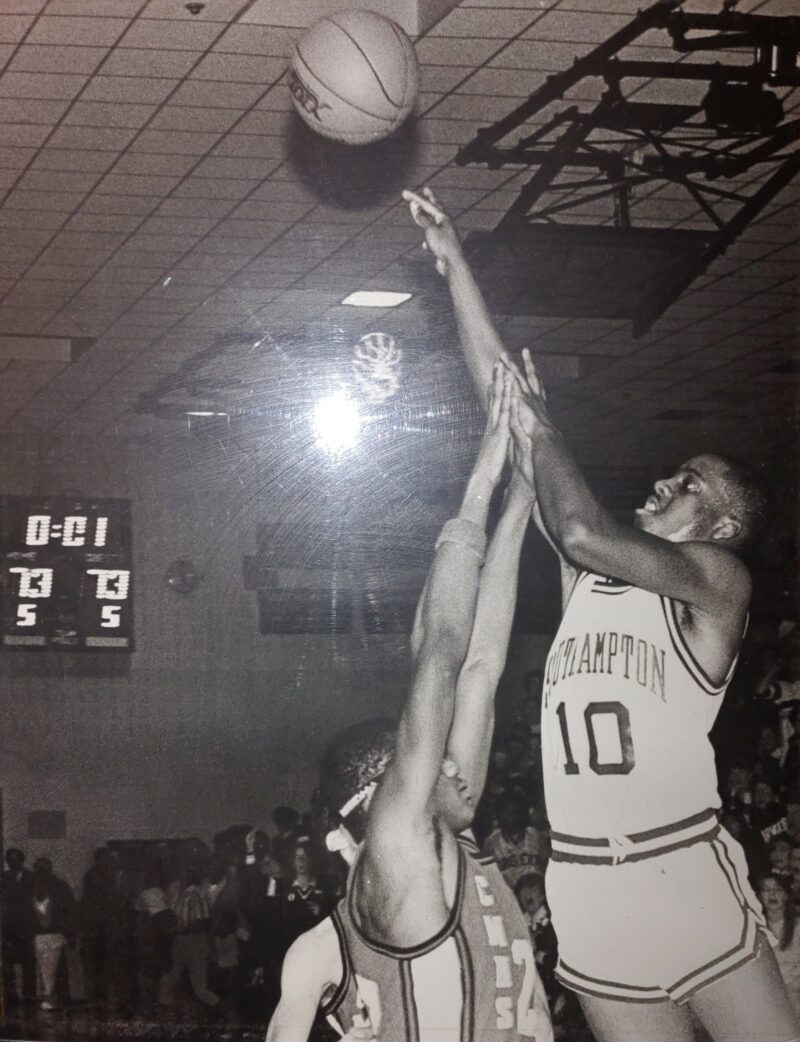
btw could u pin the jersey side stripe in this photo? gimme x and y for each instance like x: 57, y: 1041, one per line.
x: 409, y: 1009
x: 695, y: 670
x: 468, y: 977
x: 332, y: 1004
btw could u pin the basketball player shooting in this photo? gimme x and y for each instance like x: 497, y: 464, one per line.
x: 429, y: 937
x: 648, y: 894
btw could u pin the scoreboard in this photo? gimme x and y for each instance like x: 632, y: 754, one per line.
x: 66, y: 573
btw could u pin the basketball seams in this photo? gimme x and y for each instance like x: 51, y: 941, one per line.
x: 367, y: 59
x: 365, y: 112
x: 402, y: 43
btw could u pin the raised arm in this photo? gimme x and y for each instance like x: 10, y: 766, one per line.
x: 403, y: 798
x: 473, y: 721
x: 698, y: 573
x: 480, y: 341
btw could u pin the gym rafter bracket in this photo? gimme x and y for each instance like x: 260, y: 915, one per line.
x: 622, y: 149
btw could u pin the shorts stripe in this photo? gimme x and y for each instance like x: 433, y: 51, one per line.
x: 742, y: 954
x: 662, y: 840
x: 586, y: 985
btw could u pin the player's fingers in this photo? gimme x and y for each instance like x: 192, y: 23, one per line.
x: 507, y: 361
x: 532, y: 374
x: 417, y: 205
x: 505, y: 399
x: 495, y: 396
x: 518, y: 432
x: 430, y: 194
x: 430, y: 209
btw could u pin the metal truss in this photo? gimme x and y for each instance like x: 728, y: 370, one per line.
x: 622, y: 149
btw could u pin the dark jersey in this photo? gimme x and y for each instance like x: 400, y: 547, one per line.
x: 474, y: 981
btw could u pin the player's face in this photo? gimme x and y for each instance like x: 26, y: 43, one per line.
x: 454, y: 804
x: 685, y: 506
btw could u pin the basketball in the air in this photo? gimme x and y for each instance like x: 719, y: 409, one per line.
x: 354, y: 76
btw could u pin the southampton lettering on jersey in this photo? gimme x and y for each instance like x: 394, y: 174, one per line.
x: 618, y: 654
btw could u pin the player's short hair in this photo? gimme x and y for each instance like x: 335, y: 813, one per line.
x: 749, y: 498
x: 353, y: 760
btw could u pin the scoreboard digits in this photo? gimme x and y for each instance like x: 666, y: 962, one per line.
x: 66, y: 573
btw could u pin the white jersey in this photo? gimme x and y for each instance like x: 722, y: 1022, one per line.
x: 626, y: 713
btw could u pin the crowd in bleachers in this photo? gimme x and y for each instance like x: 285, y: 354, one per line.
x: 174, y: 928
x: 185, y: 928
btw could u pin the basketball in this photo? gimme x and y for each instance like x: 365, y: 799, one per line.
x: 354, y: 77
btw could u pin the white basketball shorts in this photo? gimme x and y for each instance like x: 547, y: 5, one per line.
x: 644, y: 926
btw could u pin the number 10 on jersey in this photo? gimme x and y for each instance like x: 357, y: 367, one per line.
x: 608, y: 731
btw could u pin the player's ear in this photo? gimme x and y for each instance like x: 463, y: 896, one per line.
x: 727, y: 527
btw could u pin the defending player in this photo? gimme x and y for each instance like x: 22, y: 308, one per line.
x: 649, y: 896
x: 429, y: 938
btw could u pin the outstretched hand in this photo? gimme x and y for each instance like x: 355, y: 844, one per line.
x: 528, y: 414
x: 440, y: 235
x: 529, y: 401
x: 494, y: 445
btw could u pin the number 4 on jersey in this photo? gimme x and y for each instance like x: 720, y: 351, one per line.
x: 622, y: 759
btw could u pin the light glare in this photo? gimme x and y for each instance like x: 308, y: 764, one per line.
x: 337, y: 422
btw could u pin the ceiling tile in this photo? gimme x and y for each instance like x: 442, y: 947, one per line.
x: 40, y: 85
x: 473, y: 23
x: 65, y: 30
x: 172, y: 35
x: 103, y: 114
x: 193, y: 119
x: 132, y: 61
x: 135, y: 89
x: 13, y: 26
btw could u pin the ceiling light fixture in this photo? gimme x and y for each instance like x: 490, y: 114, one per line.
x: 376, y: 298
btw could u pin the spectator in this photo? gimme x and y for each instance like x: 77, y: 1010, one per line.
x: 754, y: 847
x: 155, y: 926
x: 51, y: 918
x: 516, y: 846
x: 790, y: 767
x: 262, y: 954
x: 530, y: 894
x: 188, y: 897
x: 768, y: 814
x: 779, y: 851
x: 287, y: 824
x: 306, y: 901
x: 794, y: 871
x: 779, y: 912
x: 107, y: 927
x: 768, y: 757
x: 17, y: 948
